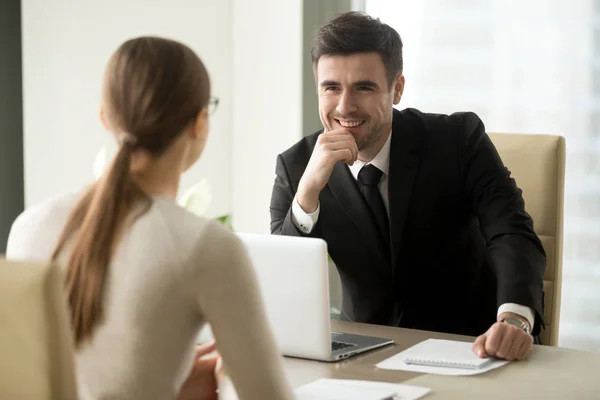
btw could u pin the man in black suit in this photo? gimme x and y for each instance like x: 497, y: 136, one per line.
x: 423, y: 221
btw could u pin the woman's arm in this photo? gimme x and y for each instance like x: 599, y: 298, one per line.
x: 231, y: 302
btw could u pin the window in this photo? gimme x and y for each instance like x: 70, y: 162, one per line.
x: 527, y: 66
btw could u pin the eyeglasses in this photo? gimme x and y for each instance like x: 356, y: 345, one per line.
x: 213, y: 102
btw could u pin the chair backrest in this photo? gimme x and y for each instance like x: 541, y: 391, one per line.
x: 36, y: 343
x: 537, y: 162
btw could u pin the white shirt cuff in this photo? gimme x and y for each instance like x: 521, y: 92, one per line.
x: 303, y: 221
x: 523, y: 311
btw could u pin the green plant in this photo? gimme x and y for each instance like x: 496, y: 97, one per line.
x: 225, y: 220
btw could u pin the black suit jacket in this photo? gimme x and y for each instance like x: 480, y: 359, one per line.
x: 462, y: 243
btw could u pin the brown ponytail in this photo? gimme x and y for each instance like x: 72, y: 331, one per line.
x: 154, y: 88
x: 95, y: 225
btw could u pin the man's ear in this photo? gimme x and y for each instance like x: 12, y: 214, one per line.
x: 398, y: 88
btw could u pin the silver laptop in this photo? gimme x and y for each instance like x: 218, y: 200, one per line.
x: 292, y: 274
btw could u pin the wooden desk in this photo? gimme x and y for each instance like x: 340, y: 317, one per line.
x: 548, y: 373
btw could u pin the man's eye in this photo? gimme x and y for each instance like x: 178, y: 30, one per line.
x: 365, y: 89
x: 331, y: 88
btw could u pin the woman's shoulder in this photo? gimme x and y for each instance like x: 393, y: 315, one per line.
x: 190, y: 231
x: 52, y: 209
x: 199, y: 242
x: 38, y: 225
x: 180, y: 223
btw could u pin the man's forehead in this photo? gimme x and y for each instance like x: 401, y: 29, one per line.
x: 350, y: 68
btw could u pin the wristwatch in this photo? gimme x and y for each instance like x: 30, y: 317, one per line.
x: 518, y: 323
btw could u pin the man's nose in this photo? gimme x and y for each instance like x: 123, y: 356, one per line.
x: 346, y: 104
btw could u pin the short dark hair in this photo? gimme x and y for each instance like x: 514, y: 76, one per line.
x: 354, y: 32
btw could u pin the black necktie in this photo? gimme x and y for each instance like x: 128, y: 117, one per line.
x: 368, y: 179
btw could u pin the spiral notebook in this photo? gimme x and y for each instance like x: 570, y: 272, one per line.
x: 444, y: 353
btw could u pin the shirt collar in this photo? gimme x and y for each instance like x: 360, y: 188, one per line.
x: 381, y: 160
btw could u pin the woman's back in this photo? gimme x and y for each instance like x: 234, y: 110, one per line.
x: 170, y: 272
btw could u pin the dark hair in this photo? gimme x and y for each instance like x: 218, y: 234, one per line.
x: 153, y: 89
x: 352, y: 33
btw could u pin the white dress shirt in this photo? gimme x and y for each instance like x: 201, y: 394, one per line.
x: 305, y: 222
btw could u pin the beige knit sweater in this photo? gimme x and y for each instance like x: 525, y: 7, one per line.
x: 172, y: 273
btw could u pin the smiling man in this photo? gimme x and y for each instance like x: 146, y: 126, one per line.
x: 423, y: 221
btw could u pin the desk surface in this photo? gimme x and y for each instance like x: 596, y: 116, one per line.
x: 548, y: 373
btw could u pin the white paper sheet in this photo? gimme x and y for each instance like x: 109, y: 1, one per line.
x: 345, y: 389
x: 440, y: 350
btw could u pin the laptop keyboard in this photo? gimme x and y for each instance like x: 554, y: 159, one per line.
x: 340, y: 345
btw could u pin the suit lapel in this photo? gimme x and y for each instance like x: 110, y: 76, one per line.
x: 404, y: 165
x: 345, y: 190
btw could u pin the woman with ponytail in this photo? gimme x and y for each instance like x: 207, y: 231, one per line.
x: 142, y: 275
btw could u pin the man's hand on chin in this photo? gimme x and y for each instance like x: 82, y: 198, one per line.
x: 505, y: 341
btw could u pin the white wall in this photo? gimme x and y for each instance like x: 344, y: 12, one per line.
x: 253, y: 51
x: 66, y: 44
x: 267, y: 104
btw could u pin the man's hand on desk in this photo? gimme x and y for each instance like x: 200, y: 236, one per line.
x: 504, y: 340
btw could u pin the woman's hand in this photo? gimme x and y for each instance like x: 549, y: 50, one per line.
x: 202, y: 383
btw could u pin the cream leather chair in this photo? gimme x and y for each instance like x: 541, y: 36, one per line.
x: 36, y: 344
x: 537, y: 163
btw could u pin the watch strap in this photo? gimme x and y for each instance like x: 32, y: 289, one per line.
x: 518, y: 323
